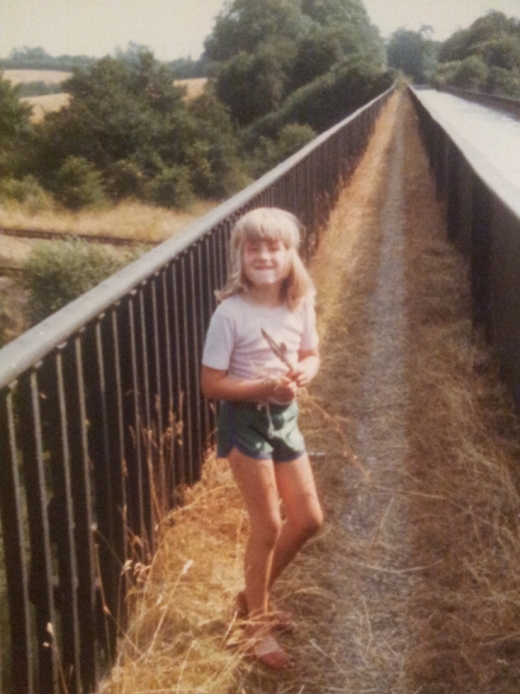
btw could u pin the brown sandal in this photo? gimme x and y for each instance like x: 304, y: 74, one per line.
x: 268, y: 652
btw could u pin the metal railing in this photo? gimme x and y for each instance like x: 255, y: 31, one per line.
x: 483, y: 219
x: 501, y: 103
x: 101, y: 420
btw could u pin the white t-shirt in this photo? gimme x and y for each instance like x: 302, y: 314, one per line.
x: 234, y: 342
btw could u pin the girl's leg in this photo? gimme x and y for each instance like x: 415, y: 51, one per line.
x: 304, y: 517
x: 257, y: 483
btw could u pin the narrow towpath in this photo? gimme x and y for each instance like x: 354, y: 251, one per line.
x: 365, y: 380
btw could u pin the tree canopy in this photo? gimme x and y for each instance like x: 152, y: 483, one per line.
x: 484, y: 57
x: 14, y: 125
x: 412, y: 52
x: 133, y: 124
x: 280, y: 70
x: 264, y: 52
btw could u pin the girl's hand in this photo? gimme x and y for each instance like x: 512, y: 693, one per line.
x: 284, y: 389
x: 299, y: 375
x: 306, y: 368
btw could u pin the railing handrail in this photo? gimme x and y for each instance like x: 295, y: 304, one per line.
x: 27, y: 350
x: 504, y: 103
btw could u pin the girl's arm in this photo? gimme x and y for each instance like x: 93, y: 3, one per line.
x: 306, y: 368
x: 217, y: 385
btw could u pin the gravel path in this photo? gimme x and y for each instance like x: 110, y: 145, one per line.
x: 365, y: 385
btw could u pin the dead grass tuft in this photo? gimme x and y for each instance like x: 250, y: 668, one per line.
x: 129, y: 219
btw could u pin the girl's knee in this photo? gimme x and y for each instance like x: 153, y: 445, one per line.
x: 315, y: 522
x: 311, y: 523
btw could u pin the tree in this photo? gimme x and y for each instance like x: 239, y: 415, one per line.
x: 244, y: 25
x: 78, y: 184
x: 331, y: 97
x: 266, y: 51
x: 351, y: 16
x: 411, y: 53
x: 252, y: 85
x: 132, y: 124
x: 14, y: 127
x: 486, y: 56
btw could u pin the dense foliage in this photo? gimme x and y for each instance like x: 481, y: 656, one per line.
x: 265, y: 53
x: 129, y: 122
x: 56, y: 274
x: 280, y: 71
x: 413, y: 53
x: 485, y: 57
x: 14, y: 128
x: 38, y: 59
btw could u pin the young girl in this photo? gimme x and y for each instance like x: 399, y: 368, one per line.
x: 261, y: 348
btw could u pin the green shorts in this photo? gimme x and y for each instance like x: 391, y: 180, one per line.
x: 265, y: 432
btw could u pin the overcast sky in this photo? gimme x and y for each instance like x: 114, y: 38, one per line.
x: 177, y: 28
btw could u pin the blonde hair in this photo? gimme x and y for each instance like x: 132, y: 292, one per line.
x: 269, y: 223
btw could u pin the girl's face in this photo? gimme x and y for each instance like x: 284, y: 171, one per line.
x: 265, y: 261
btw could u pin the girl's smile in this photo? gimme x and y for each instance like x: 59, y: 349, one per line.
x: 264, y: 261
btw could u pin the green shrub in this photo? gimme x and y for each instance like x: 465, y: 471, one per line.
x: 125, y: 179
x: 12, y: 316
x: 444, y: 74
x: 39, y: 88
x: 171, y: 188
x: 470, y: 73
x: 503, y: 83
x: 78, y: 184
x: 268, y: 152
x: 58, y: 272
x: 326, y: 100
x: 25, y: 191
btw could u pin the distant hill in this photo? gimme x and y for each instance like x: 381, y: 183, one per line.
x: 39, y: 59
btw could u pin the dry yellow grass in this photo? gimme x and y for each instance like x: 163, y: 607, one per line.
x: 47, y: 103
x: 54, y: 102
x: 195, y: 86
x: 129, y: 219
x: 48, y: 76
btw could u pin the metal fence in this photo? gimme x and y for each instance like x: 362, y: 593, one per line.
x: 483, y: 218
x: 502, y: 103
x: 101, y: 420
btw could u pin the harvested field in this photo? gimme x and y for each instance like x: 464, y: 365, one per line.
x: 413, y: 584
x: 41, y: 105
x: 54, y: 102
x: 195, y: 86
x: 48, y: 76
